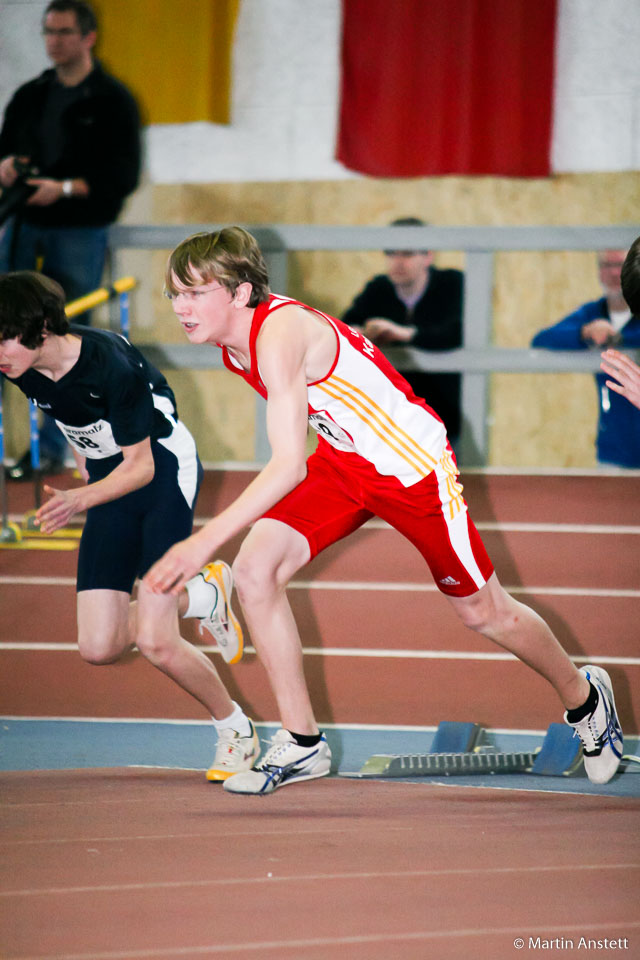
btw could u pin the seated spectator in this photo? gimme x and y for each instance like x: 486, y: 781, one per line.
x: 604, y: 323
x: 416, y: 304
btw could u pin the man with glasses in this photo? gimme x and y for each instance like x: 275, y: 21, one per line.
x: 72, y: 135
x: 604, y: 323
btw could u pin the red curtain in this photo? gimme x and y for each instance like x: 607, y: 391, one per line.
x: 432, y: 87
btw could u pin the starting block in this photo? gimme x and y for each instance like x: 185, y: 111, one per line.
x: 27, y: 536
x: 30, y: 529
x: 456, y: 751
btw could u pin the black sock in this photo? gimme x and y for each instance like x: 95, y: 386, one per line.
x: 587, y: 708
x: 305, y: 741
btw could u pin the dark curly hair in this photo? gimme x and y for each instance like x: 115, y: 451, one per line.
x: 30, y: 305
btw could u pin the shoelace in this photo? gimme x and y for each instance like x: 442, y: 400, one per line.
x: 218, y: 624
x: 274, y: 752
x: 222, y: 617
x: 231, y: 743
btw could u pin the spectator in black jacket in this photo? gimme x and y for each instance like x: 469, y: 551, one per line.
x: 416, y: 304
x: 78, y: 129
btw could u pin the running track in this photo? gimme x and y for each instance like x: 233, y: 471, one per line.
x: 134, y: 863
x: 382, y: 645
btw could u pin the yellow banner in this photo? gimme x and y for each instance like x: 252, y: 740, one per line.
x: 174, y: 55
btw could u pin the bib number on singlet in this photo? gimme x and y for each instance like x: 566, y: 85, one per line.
x: 332, y: 433
x: 95, y: 440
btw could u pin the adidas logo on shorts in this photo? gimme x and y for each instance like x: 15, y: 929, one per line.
x: 449, y: 582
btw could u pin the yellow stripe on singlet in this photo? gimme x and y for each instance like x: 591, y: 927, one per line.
x: 371, y: 413
x: 370, y: 420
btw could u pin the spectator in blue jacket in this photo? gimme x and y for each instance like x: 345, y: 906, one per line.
x: 607, y: 322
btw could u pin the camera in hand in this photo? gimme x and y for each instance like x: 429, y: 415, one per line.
x: 14, y: 196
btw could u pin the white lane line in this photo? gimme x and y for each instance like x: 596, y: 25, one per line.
x: 39, y: 581
x: 402, y: 728
x: 508, y: 526
x: 218, y: 835
x: 376, y: 586
x: 517, y: 526
x: 379, y: 586
x: 300, y: 946
x: 354, y: 652
x: 316, y: 877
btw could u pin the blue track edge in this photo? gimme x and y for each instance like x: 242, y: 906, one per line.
x: 59, y: 744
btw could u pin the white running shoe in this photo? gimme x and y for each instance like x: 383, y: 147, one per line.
x: 234, y: 754
x: 211, y: 590
x: 600, y: 732
x: 284, y: 762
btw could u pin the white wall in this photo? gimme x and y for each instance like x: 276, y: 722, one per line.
x: 597, y: 91
x: 286, y: 62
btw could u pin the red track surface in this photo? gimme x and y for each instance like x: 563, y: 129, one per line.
x: 131, y: 864
x: 366, y: 689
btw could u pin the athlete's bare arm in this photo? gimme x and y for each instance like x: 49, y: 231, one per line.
x: 135, y: 471
x: 291, y: 350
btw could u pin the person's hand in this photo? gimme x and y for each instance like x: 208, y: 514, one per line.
x: 181, y: 562
x: 626, y: 373
x: 59, y: 508
x: 8, y: 172
x: 598, y: 332
x: 381, y: 330
x: 47, y: 191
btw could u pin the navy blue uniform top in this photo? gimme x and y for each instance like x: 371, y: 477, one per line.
x: 111, y: 398
x: 618, y: 440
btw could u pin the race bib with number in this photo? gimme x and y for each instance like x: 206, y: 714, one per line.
x: 332, y: 433
x: 95, y: 440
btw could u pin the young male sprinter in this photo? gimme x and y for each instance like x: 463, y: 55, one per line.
x: 381, y: 451
x: 119, y: 415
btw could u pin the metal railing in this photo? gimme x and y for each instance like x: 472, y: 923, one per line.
x: 476, y: 360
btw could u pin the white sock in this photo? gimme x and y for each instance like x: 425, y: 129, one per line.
x: 237, y: 720
x: 203, y: 597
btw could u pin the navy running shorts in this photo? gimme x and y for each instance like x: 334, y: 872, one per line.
x: 122, y: 539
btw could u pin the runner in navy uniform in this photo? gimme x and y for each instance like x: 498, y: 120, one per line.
x: 142, y: 477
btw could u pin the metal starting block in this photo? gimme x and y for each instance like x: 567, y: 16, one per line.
x: 456, y: 752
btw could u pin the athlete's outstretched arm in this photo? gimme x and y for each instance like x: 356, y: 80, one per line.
x: 626, y: 373
x: 135, y: 471
x: 282, y: 348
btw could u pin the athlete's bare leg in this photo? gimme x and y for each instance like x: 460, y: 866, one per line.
x: 496, y: 615
x: 270, y: 555
x: 273, y: 552
x: 103, y: 625
x: 108, y: 625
